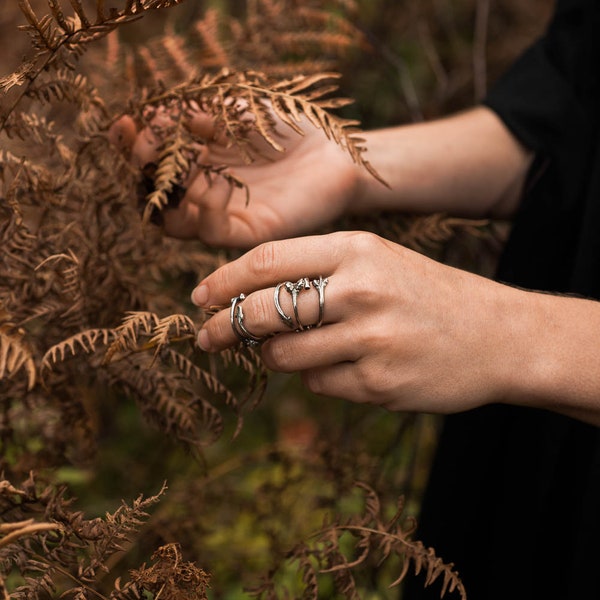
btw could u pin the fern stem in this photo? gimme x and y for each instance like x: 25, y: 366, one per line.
x: 27, y: 530
x: 71, y: 577
x: 23, y: 92
x: 363, y: 529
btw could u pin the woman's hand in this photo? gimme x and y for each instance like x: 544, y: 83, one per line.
x: 291, y: 193
x: 399, y: 330
x: 467, y: 164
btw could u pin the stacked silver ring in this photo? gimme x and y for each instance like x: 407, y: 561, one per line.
x: 294, y: 289
x: 236, y: 312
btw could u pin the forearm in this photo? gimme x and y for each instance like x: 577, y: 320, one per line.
x: 548, y: 345
x: 467, y: 165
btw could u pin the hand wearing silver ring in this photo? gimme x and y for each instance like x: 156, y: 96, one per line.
x: 394, y: 329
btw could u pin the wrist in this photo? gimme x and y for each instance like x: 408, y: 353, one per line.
x: 368, y: 192
x: 552, y: 361
x: 467, y: 164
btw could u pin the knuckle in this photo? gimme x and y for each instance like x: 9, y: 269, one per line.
x: 363, y: 249
x: 375, y: 381
x: 262, y: 309
x: 374, y: 335
x: 264, y: 259
x: 313, y: 381
x: 364, y: 242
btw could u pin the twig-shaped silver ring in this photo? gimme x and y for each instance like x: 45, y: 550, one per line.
x: 294, y: 289
x: 319, y: 285
x: 285, y: 318
x: 236, y: 318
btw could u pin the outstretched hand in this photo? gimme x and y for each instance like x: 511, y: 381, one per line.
x: 399, y: 329
x: 291, y: 193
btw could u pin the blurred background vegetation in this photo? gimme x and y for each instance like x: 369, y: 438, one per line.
x: 247, y: 500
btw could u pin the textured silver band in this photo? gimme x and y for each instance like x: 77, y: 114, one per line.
x: 289, y: 322
x: 319, y: 285
x: 236, y: 318
x: 295, y: 289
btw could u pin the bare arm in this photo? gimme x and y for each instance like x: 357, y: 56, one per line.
x: 468, y: 164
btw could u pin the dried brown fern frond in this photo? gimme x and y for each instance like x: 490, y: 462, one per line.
x: 172, y: 168
x: 36, y: 129
x: 9, y: 532
x: 340, y: 549
x: 170, y: 577
x: 250, y: 363
x: 74, y: 87
x: 246, y: 107
x: 68, y: 270
x: 57, y: 38
x: 425, y: 232
x: 133, y: 327
x: 295, y: 30
x: 15, y: 355
x: 87, y: 340
x: 75, y: 259
x: 63, y: 553
x: 278, y: 37
x: 172, y: 403
x: 155, y: 360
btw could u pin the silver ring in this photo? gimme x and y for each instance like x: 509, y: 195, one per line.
x: 319, y: 285
x: 236, y: 318
x: 289, y: 322
x: 294, y: 289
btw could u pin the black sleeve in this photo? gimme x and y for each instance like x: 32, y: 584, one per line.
x: 549, y: 98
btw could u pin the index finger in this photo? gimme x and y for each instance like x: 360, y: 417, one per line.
x: 271, y: 263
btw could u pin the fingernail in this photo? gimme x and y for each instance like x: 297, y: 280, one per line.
x: 203, y: 340
x: 200, y: 295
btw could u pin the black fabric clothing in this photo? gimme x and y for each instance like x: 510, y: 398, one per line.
x: 514, y: 493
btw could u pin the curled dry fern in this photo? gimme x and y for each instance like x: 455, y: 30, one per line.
x: 228, y: 96
x: 60, y: 552
x: 16, y: 356
x: 172, y: 578
x: 180, y: 395
x: 330, y: 553
x: 57, y: 39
